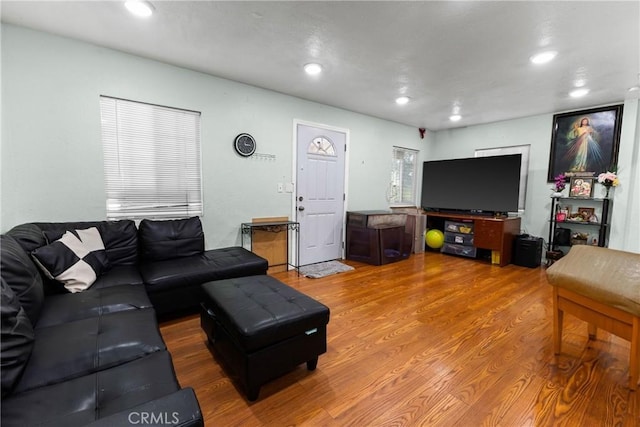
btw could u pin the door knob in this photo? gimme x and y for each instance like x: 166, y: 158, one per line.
x: 301, y: 208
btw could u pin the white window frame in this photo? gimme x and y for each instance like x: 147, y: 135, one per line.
x: 395, y: 195
x: 523, y: 150
x: 152, y: 160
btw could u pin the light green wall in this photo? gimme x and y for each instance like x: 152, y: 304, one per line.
x: 536, y: 131
x: 51, y: 153
x: 51, y: 161
x: 625, y: 229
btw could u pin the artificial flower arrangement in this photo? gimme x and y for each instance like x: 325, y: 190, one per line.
x: 608, y: 179
x: 559, y: 183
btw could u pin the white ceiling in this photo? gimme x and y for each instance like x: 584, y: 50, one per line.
x: 470, y: 54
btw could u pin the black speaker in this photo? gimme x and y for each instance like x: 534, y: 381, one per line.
x: 528, y: 251
x: 562, y: 237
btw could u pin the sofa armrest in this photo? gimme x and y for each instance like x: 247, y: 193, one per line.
x: 179, y: 409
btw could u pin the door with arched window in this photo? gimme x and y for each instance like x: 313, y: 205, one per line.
x: 320, y: 192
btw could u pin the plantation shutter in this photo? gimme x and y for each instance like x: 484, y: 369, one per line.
x: 151, y: 160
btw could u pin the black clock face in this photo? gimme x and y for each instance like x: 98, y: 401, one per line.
x: 245, y: 145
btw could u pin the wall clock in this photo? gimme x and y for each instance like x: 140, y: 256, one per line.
x: 244, y: 144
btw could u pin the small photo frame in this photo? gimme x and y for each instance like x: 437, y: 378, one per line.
x: 586, y: 213
x: 581, y: 187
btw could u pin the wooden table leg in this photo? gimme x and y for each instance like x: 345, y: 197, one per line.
x: 593, y: 329
x: 558, y: 316
x: 634, y: 360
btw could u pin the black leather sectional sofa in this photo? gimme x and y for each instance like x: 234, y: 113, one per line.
x: 96, y: 357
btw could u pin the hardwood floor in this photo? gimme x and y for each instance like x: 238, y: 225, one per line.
x: 433, y: 340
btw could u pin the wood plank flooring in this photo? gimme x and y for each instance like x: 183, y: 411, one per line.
x: 434, y: 340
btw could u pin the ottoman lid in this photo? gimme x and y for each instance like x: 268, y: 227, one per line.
x: 260, y: 310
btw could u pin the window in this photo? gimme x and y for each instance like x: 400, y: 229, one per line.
x: 322, y: 146
x: 402, y: 190
x: 151, y: 160
x: 524, y: 168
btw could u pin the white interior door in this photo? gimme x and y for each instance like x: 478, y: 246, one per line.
x: 320, y: 192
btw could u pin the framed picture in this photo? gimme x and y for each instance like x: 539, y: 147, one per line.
x: 585, y: 143
x: 581, y: 187
x: 586, y: 213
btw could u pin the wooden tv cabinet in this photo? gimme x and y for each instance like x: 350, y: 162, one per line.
x: 495, y: 234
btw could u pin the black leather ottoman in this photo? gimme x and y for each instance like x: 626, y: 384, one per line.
x: 262, y: 328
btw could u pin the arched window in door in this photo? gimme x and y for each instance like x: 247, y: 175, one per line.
x: 322, y: 146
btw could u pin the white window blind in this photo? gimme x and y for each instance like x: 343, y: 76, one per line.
x: 151, y: 160
x: 403, y: 177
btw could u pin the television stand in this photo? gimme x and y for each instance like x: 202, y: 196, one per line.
x: 493, y: 233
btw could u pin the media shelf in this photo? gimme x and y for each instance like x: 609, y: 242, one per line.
x: 489, y: 233
x: 600, y: 227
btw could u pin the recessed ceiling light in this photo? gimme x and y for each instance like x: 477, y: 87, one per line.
x: 543, y: 57
x: 578, y: 92
x: 634, y: 88
x: 402, y: 100
x: 455, y: 117
x: 313, y: 69
x: 141, y: 8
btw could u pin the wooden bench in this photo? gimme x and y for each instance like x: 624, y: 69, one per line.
x: 602, y: 287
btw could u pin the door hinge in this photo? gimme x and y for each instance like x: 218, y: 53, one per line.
x: 345, y: 147
x: 344, y: 197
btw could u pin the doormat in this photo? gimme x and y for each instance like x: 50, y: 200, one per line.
x: 323, y: 269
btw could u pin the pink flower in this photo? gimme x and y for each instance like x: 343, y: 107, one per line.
x: 608, y: 179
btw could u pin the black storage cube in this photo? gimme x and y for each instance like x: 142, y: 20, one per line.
x: 528, y: 252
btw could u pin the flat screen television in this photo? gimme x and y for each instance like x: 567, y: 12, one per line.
x: 478, y: 185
